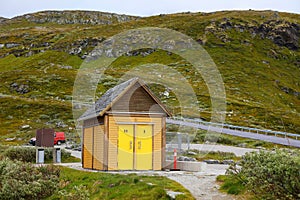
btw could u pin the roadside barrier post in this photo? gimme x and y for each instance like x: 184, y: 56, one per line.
x: 175, y: 159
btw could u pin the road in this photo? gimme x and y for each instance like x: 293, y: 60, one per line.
x: 76, y: 154
x: 238, y: 151
x: 244, y: 134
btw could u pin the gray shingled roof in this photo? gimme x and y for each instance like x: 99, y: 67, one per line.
x: 106, y: 99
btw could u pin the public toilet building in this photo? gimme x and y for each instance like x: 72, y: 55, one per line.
x: 125, y: 130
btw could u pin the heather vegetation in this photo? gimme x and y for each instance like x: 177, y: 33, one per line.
x: 28, y: 154
x: 21, y: 180
x: 265, y: 175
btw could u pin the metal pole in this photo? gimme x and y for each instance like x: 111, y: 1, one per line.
x: 188, y: 141
x: 175, y: 159
x: 179, y: 138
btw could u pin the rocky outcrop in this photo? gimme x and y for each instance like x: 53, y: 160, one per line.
x: 78, y: 46
x: 75, y: 17
x: 2, y: 19
x: 281, y: 32
x: 21, y: 89
x: 11, y: 45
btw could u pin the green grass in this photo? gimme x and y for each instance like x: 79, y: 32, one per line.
x: 231, y: 185
x: 254, y: 72
x: 17, y: 112
x: 70, y: 159
x: 202, y: 137
x: 99, y: 185
x: 205, y: 155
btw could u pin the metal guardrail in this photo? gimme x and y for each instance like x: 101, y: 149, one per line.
x: 241, y: 128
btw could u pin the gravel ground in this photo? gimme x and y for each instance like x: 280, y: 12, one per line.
x: 202, y: 184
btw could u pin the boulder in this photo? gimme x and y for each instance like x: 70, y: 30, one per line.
x: 25, y: 126
x: 211, y: 161
x: 11, y: 45
x: 227, y: 162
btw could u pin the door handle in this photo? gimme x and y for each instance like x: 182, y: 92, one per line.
x: 130, y: 145
x: 139, y: 144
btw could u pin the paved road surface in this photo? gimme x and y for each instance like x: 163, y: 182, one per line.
x: 238, y: 151
x: 268, y: 138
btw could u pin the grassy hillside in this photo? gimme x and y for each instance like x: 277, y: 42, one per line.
x: 256, y: 52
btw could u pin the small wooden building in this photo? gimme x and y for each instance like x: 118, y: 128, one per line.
x: 125, y: 130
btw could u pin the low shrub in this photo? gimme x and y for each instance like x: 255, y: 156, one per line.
x: 25, y: 154
x: 20, y: 180
x: 77, y: 193
x: 28, y: 154
x: 269, y: 175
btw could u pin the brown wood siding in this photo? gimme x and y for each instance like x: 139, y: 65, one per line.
x: 98, y: 146
x: 88, y: 148
x: 136, y: 100
x: 132, y: 119
x: 93, y: 122
x: 112, y: 144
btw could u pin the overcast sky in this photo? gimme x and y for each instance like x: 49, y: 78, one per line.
x: 11, y: 8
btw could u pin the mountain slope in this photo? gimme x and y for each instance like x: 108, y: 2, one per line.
x: 256, y: 52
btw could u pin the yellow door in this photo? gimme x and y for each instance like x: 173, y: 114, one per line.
x: 143, y: 147
x: 125, y: 147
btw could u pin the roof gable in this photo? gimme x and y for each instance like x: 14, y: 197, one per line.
x: 113, y: 95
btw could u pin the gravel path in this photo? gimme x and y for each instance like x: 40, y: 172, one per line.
x: 202, y: 184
